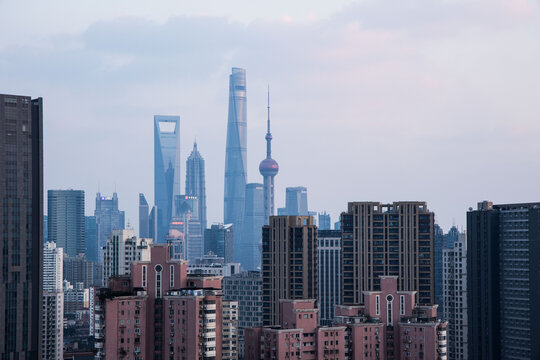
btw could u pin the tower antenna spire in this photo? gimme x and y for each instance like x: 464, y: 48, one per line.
x: 268, y: 108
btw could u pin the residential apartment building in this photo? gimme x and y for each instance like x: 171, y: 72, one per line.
x: 387, y: 239
x: 290, y: 267
x: 329, y: 274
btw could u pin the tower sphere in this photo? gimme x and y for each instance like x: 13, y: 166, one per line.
x: 268, y: 167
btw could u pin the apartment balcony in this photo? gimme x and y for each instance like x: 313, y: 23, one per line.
x: 210, y: 307
x: 210, y: 334
x: 210, y: 316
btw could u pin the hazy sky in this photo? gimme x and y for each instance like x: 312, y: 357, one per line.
x: 379, y: 100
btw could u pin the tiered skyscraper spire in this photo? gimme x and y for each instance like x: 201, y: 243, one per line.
x: 268, y: 169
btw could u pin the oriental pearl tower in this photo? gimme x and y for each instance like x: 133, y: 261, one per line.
x: 268, y: 169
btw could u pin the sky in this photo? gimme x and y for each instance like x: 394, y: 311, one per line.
x: 386, y: 100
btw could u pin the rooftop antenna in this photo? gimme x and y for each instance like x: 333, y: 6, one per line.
x: 268, y: 108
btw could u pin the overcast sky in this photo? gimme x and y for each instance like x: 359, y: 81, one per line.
x: 379, y: 100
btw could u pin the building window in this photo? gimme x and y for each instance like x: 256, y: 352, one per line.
x: 144, y: 276
x: 389, y: 299
x: 402, y: 304
x: 171, y: 283
x: 158, y: 269
x: 377, y: 305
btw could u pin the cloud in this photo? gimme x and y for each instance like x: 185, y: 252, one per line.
x: 385, y: 100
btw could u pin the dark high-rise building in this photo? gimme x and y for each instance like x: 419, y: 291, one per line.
x: 329, y: 274
x: 144, y: 219
x: 236, y: 152
x: 166, y: 170
x: 248, y: 252
x: 324, y: 221
x: 503, y: 281
x: 91, y: 238
x: 108, y: 218
x: 296, y: 202
x: 21, y: 194
x: 268, y: 169
x: 219, y: 239
x: 195, y: 182
x: 387, y: 240
x: 66, y: 220
x: 289, y: 266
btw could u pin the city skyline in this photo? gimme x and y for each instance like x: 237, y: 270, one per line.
x: 406, y: 81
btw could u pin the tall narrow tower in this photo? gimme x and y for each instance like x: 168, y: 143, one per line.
x: 195, y: 182
x: 268, y: 169
x: 236, y: 153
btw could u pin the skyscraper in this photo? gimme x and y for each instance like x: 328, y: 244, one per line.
x: 66, y: 220
x: 52, y: 324
x: 108, y: 218
x: 442, y: 241
x: 21, y: 176
x: 268, y: 169
x: 329, y: 274
x: 195, y: 182
x: 166, y: 170
x: 186, y: 221
x: 91, y: 239
x: 324, y: 221
x: 455, y: 297
x: 296, y: 202
x: 503, y: 277
x: 248, y: 252
x: 219, y: 239
x: 236, y: 152
x: 144, y: 217
x: 387, y: 240
x: 289, y: 268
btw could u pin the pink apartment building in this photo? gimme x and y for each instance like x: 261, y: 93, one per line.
x: 298, y: 337
x: 390, y: 326
x: 159, y: 313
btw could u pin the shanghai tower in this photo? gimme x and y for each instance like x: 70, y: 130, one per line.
x: 236, y: 153
x: 268, y: 169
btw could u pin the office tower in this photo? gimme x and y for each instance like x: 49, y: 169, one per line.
x: 455, y: 297
x: 387, y: 239
x: 153, y: 224
x: 337, y: 225
x: 219, y: 239
x: 52, y: 323
x: 503, y: 255
x: 195, y: 182
x: 91, y: 239
x: 296, y: 202
x: 329, y: 274
x: 108, y: 218
x: 246, y: 289
x: 166, y: 170
x: 21, y: 176
x: 122, y: 249
x: 144, y: 218
x: 442, y: 241
x: 236, y: 153
x: 297, y: 337
x: 186, y: 221
x: 391, y: 325
x: 229, y: 337
x: 268, y: 169
x: 290, y: 267
x: 80, y: 269
x: 45, y: 234
x: 177, y: 241
x: 324, y: 221
x: 66, y: 220
x: 248, y: 252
